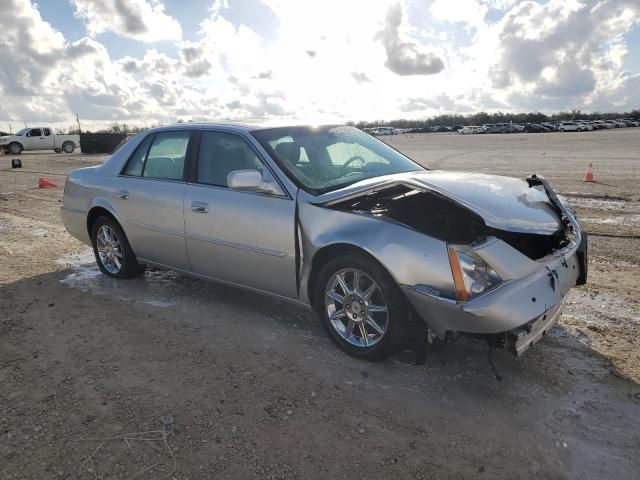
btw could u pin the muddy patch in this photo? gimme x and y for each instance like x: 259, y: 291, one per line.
x: 156, y: 288
x: 600, y: 310
x: 615, y: 220
x: 596, y: 203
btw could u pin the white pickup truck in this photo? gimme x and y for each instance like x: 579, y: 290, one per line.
x: 40, y: 138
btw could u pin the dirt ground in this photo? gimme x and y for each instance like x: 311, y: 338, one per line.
x: 169, y: 377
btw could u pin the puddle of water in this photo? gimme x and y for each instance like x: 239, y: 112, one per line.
x: 39, y: 232
x: 156, y: 288
x: 617, y: 220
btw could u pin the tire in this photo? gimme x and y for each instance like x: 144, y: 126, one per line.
x: 68, y: 147
x: 57, y: 150
x: 15, y: 148
x: 389, y: 332
x: 110, y: 252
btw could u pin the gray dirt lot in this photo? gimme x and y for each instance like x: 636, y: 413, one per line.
x: 249, y: 387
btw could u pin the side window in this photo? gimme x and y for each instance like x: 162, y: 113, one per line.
x: 46, y: 132
x: 166, y: 156
x: 136, y: 161
x: 34, y: 133
x: 221, y: 153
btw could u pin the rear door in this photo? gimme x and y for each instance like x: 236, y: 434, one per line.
x: 149, y: 198
x: 47, y: 143
x: 245, y: 238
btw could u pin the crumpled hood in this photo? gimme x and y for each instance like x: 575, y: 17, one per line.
x: 503, y: 202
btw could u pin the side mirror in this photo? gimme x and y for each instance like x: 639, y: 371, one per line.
x: 251, y: 181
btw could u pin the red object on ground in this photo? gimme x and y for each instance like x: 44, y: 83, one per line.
x: 589, y: 176
x: 44, y: 183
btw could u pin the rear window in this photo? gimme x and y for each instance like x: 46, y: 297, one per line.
x: 161, y: 155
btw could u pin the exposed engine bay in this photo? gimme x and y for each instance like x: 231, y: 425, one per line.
x: 436, y: 215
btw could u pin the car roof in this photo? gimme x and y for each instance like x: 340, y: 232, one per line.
x: 240, y: 126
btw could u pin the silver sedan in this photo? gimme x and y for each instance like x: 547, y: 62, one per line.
x: 334, y: 219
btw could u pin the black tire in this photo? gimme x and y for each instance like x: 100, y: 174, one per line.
x: 68, y: 147
x: 397, y: 334
x: 15, y: 148
x: 130, y: 267
x: 57, y: 150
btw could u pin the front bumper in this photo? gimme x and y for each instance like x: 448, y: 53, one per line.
x: 523, y: 309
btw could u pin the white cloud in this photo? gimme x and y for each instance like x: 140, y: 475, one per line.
x: 406, y: 57
x: 562, y: 49
x: 470, y: 12
x: 538, y: 56
x: 143, y: 20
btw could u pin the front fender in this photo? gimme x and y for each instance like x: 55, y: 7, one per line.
x: 409, y: 256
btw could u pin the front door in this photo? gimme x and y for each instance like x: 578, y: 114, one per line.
x: 35, y: 140
x: 245, y: 238
x: 149, y: 198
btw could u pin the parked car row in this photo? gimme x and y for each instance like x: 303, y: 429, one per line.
x: 565, y: 126
x: 570, y: 126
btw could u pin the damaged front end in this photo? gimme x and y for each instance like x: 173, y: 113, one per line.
x: 513, y: 248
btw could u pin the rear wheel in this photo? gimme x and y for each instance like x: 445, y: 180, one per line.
x: 361, y: 307
x: 112, y: 250
x: 68, y: 147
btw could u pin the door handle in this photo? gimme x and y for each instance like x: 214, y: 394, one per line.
x: 123, y: 194
x: 199, y: 207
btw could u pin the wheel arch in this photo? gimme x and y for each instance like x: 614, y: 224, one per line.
x: 96, y: 212
x: 329, y: 252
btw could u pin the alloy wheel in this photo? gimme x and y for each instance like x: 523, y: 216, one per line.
x: 356, y: 307
x: 109, y: 249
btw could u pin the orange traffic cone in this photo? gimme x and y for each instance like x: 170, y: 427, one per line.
x: 589, y: 176
x: 44, y: 183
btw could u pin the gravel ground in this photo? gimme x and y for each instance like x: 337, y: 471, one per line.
x: 169, y: 377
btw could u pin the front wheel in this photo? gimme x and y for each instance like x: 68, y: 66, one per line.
x: 15, y: 149
x: 112, y: 250
x: 361, y: 308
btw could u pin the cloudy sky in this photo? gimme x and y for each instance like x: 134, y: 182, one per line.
x: 146, y: 61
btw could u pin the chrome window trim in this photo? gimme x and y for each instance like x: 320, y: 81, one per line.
x: 227, y: 189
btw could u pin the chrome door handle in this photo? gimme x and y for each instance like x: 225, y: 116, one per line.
x: 123, y: 194
x: 199, y: 207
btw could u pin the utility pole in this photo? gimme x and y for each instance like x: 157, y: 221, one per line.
x: 10, y: 131
x: 78, y: 120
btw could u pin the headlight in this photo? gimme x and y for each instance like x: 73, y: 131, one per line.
x: 472, y: 276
